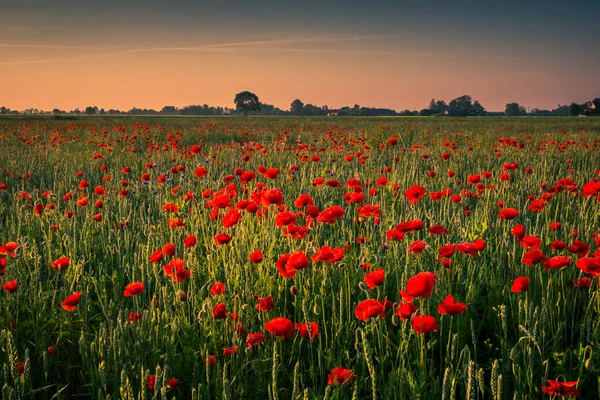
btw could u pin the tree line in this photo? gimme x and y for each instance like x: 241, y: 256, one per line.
x: 248, y: 102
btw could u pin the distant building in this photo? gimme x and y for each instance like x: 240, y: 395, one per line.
x: 334, y: 114
x: 593, y: 105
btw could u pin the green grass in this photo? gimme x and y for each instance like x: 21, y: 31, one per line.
x: 504, y: 346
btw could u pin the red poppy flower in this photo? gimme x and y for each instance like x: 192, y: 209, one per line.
x: 254, y: 339
x: 394, y: 235
x: 52, y: 351
x: 410, y: 226
x: 580, y: 248
x: 508, y: 213
x: 189, y: 241
x: 307, y: 331
x: 520, y: 284
x: 200, y: 172
x: 531, y: 242
x: 285, y: 218
x: 406, y: 310
x: 537, y: 205
x: 471, y: 248
x: 10, y: 287
x: 533, y: 257
x: 232, y: 217
x: 555, y: 226
x: 265, y: 304
x: 70, y: 302
x: 60, y: 264
x: 9, y: 249
x: 151, y: 382
x: 156, y: 257
x: 375, y: 278
x: 558, y: 262
x: 590, y: 266
x: 331, y: 214
x: 211, y: 361
x: 339, y: 376
x: 562, y: 389
x: 369, y: 308
x: 582, y: 283
x: 420, y: 285
x: 229, y: 351
x: 518, y: 231
x: 133, y: 289
x: 438, y: 230
x: 176, y: 223
x: 169, y: 249
x: 173, y: 383
x: 328, y: 254
x: 176, y: 270
x: 304, y: 200
x: 417, y: 247
x: 222, y: 238
x: 281, y: 327
x: 135, y: 317
x: 256, y: 256
x: 415, y: 193
x: 220, y: 311
x: 447, y: 251
x: 451, y: 307
x: 424, y: 324
x: 217, y: 289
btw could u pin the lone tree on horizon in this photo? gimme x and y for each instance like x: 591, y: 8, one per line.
x: 246, y: 102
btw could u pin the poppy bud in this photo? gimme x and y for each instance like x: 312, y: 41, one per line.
x: 294, y: 290
x: 514, y: 353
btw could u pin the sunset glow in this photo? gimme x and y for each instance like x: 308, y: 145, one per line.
x: 380, y: 54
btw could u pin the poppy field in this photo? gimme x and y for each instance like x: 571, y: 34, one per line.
x: 300, y: 258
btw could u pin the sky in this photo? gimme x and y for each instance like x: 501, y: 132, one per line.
x: 393, y: 54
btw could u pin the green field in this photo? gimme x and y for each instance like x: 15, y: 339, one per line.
x: 205, y: 177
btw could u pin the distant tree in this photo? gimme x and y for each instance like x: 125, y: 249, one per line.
x: 312, y: 110
x: 58, y: 111
x: 560, y: 111
x: 296, y: 107
x: 169, y: 110
x: 4, y: 110
x: 246, y: 102
x: 460, y: 105
x: 464, y: 106
x: 477, y: 109
x: 514, y: 110
x: 575, y: 109
x: 536, y: 112
x: 426, y: 112
x: 91, y: 110
x: 436, y: 107
x: 408, y: 113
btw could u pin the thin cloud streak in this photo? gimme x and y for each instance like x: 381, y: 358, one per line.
x: 244, y: 47
x: 51, y: 46
x: 241, y: 47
